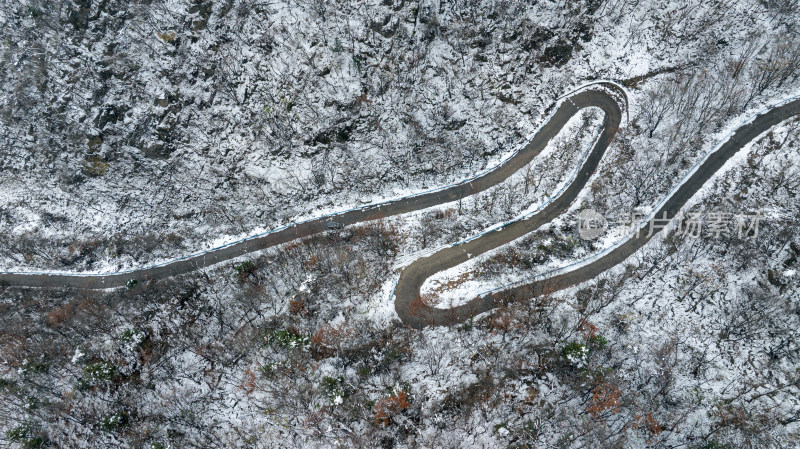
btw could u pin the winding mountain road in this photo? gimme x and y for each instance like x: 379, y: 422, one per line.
x: 606, y: 96
x: 417, y: 314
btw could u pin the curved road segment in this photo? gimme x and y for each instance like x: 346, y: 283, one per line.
x: 415, y: 313
x: 410, y: 309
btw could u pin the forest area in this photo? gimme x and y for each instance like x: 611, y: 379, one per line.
x: 137, y: 132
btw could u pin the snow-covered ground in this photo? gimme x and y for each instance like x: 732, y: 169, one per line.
x: 135, y: 132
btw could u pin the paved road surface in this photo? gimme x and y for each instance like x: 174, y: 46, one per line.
x: 415, y: 313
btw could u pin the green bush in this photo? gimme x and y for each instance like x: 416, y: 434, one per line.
x: 132, y: 337
x: 337, y: 46
x: 394, y: 353
x: 99, y: 371
x: 83, y: 384
x: 114, y: 421
x: 334, y: 389
x: 130, y: 283
x: 286, y: 338
x: 32, y: 366
x: 188, y: 416
x: 8, y: 385
x: 245, y: 269
x: 557, y: 55
x: 32, y: 402
x: 598, y: 341
x: 268, y: 369
x: 575, y: 352
x: 24, y: 435
x: 364, y: 371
